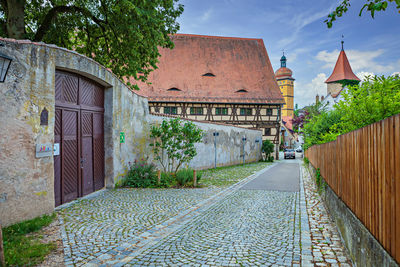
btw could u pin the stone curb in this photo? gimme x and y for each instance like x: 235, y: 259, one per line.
x: 305, y: 236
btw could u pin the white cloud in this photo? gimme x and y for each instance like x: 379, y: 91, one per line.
x: 364, y: 74
x: 365, y: 61
x: 206, y: 15
x: 305, y: 93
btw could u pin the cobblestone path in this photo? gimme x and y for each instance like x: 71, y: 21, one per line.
x: 327, y: 248
x: 259, y: 221
x: 249, y: 227
x: 98, y: 225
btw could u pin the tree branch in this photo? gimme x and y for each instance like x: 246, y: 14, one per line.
x: 52, y: 14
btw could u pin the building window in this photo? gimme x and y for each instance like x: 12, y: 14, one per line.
x: 174, y: 89
x: 245, y: 111
x: 221, y: 111
x: 196, y: 111
x: 267, y: 131
x: 269, y: 111
x: 170, y: 110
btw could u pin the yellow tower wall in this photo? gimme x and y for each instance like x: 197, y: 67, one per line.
x: 287, y: 89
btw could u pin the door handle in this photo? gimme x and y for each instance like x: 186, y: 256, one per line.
x: 82, y: 161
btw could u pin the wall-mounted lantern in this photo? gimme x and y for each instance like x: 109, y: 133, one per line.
x: 5, y: 62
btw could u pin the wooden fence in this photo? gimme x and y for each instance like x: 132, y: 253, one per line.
x: 363, y: 168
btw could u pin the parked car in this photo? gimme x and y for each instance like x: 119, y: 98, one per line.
x: 289, y: 153
x: 299, y: 149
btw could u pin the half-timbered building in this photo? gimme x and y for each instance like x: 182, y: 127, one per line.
x: 219, y: 79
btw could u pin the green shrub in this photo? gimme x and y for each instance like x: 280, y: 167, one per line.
x: 268, y: 149
x: 306, y: 161
x: 184, y: 177
x: 167, y: 180
x: 141, y: 174
x: 318, y: 177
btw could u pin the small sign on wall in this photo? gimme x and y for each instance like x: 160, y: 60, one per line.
x: 121, y: 137
x: 44, y: 150
x: 56, y: 149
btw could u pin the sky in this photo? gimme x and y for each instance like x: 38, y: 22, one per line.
x: 297, y: 27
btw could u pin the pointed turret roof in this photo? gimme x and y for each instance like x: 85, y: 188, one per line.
x: 342, y: 70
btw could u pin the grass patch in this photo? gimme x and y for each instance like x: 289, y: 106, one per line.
x: 22, y: 246
x: 226, y: 176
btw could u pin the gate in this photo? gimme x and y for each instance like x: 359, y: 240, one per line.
x: 79, y: 124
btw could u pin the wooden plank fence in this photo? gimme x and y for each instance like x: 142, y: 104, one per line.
x: 363, y: 168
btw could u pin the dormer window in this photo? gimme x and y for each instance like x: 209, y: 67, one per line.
x: 241, y: 91
x: 174, y: 89
x: 208, y: 74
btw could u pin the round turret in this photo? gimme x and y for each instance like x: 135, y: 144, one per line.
x: 283, y: 72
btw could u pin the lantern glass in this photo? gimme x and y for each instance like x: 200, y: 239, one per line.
x: 5, y: 62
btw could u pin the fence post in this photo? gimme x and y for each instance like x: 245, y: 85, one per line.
x: 159, y: 176
x: 2, y: 259
x: 194, y: 178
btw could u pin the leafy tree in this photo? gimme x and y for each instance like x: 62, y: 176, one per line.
x: 371, y: 6
x: 174, y: 143
x: 305, y: 115
x: 124, y: 35
x: 321, y: 128
x: 268, y: 149
x: 373, y: 100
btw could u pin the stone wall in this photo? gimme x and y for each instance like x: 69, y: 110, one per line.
x: 27, y: 182
x: 363, y: 248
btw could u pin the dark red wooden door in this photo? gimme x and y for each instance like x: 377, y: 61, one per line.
x: 79, y: 169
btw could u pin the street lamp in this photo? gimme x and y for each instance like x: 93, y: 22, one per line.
x: 244, y: 140
x: 215, y: 148
x: 5, y: 62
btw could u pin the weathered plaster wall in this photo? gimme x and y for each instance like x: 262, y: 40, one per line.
x: 27, y: 182
x: 229, y: 145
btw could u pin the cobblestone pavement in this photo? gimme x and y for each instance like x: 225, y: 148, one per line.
x: 249, y: 227
x: 202, y: 227
x: 95, y: 226
x: 327, y: 248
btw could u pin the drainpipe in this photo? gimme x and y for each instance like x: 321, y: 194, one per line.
x: 244, y: 140
x: 215, y: 148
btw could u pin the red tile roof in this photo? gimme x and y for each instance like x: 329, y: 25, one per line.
x: 287, y: 121
x: 342, y: 70
x: 237, y: 63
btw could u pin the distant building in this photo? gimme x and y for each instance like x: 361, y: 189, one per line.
x: 342, y: 75
x: 286, y: 84
x: 289, y: 137
x: 220, y: 79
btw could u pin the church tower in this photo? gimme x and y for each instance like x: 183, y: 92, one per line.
x: 286, y: 84
x: 341, y: 76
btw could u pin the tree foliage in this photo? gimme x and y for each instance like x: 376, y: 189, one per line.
x: 268, y: 149
x: 373, y: 100
x: 123, y: 35
x: 370, y: 6
x: 174, y: 143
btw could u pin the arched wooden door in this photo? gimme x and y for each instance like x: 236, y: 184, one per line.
x: 79, y: 126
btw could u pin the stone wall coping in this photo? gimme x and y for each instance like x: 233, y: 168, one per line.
x: 29, y: 42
